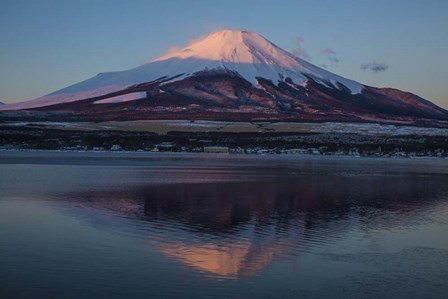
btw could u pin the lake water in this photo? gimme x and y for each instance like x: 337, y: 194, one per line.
x: 130, y: 225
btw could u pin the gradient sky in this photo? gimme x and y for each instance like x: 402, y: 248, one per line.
x: 49, y: 44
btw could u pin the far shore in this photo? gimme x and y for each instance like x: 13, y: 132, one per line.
x: 125, y: 153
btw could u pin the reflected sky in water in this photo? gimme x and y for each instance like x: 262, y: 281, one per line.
x: 197, y: 226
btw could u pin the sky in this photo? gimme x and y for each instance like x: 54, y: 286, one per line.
x: 47, y: 45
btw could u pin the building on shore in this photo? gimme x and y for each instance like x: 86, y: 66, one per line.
x: 216, y: 149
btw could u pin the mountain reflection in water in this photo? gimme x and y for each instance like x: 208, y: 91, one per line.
x: 140, y: 225
x: 236, y: 229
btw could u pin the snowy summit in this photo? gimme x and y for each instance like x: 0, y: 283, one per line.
x: 251, y: 56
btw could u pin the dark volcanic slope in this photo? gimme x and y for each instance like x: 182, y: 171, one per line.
x: 227, y: 96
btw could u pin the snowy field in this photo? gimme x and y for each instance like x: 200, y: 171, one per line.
x: 164, y: 126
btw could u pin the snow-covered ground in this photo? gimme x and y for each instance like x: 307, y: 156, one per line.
x: 123, y: 98
x: 367, y: 128
x: 163, y: 126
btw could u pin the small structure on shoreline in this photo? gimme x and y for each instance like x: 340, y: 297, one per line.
x: 216, y: 149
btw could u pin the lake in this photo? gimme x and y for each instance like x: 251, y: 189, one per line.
x: 165, y: 225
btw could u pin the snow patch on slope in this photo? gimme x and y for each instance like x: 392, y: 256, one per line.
x: 59, y: 98
x: 123, y: 98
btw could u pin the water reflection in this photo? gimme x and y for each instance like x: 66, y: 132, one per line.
x: 229, y: 260
x: 234, y: 229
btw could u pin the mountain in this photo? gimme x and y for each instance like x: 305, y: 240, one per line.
x: 233, y: 75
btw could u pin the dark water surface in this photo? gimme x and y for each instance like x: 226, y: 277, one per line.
x: 117, y: 225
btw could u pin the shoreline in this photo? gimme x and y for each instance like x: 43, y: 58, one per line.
x: 191, y: 154
x: 357, y: 144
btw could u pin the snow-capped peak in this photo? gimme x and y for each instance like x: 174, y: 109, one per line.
x: 251, y: 55
x: 234, y: 46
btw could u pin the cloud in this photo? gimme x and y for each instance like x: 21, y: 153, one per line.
x: 334, y: 61
x: 192, y: 40
x: 172, y: 49
x: 299, y: 50
x: 330, y: 55
x: 327, y: 52
x: 374, y: 67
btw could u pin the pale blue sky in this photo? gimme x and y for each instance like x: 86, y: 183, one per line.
x: 48, y: 44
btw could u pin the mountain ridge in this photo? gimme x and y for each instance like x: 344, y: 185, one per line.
x: 229, y: 72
